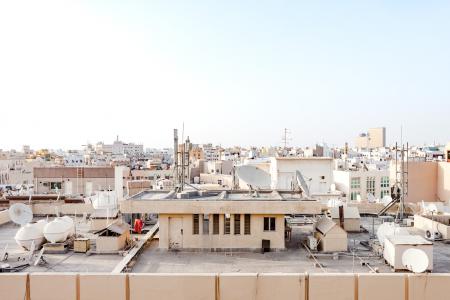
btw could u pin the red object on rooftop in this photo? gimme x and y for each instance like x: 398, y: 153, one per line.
x: 138, y: 224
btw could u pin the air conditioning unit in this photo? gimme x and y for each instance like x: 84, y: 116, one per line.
x: 433, y: 235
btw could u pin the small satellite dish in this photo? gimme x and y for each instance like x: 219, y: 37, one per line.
x: 302, y: 183
x: 371, y: 198
x: 20, y: 213
x: 254, y: 176
x: 415, y: 260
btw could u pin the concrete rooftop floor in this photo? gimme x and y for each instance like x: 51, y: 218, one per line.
x: 153, y: 260
x: 293, y: 260
x: 69, y: 262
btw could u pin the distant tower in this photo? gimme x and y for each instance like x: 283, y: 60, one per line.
x: 285, y: 139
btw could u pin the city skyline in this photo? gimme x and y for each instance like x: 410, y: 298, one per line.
x: 73, y: 72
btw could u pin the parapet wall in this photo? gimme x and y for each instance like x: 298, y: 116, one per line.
x: 4, y: 217
x: 49, y: 286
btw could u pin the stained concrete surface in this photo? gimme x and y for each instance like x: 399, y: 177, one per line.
x: 295, y: 259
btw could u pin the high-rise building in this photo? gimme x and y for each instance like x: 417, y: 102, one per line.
x: 374, y: 138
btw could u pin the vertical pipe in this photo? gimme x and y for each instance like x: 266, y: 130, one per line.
x: 341, y: 216
x: 175, y: 154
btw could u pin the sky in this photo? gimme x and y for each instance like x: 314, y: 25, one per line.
x: 234, y: 72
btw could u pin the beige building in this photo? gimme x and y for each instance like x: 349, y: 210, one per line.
x: 352, y: 218
x: 72, y: 180
x: 219, y: 220
x: 428, y: 181
x: 331, y: 236
x: 374, y: 138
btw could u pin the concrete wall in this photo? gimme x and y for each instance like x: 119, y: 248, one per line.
x: 4, y: 217
x: 428, y: 224
x: 253, y: 286
x: 222, y: 207
x: 443, y: 184
x: 422, y: 181
x: 112, y: 244
x: 227, y: 180
x: 221, y: 240
x: 282, y: 171
x: 62, y: 208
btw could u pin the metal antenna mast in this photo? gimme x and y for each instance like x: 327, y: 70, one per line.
x: 401, y: 176
x: 285, y: 138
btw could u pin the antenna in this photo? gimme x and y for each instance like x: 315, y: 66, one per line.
x: 20, y: 213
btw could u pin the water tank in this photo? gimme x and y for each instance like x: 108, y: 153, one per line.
x: 29, y: 233
x: 390, y: 228
x: 59, y: 229
x: 104, y: 200
x: 334, y: 203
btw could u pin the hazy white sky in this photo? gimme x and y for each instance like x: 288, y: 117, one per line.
x: 73, y: 72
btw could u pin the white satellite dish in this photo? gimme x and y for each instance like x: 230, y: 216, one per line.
x: 302, y: 183
x: 254, y: 176
x: 20, y: 213
x: 415, y: 260
x: 371, y: 198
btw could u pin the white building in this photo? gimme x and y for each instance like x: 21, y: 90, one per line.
x: 210, y: 152
x: 357, y: 184
x: 317, y: 171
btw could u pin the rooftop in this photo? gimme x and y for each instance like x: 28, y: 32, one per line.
x: 220, y: 195
x: 293, y: 260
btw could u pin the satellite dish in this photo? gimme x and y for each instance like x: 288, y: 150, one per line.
x: 302, y: 183
x: 20, y: 213
x: 254, y: 176
x: 371, y: 198
x: 415, y: 260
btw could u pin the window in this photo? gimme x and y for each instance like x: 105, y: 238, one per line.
x: 195, y: 224
x: 370, y: 185
x: 355, y: 183
x: 227, y: 224
x: 269, y: 223
x: 237, y: 224
x: 55, y: 185
x: 215, y: 224
x: 385, y: 193
x: 205, y: 224
x: 246, y: 224
x: 385, y: 182
x: 354, y: 195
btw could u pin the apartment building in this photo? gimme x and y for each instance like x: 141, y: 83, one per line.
x: 374, y: 138
x: 358, y: 184
x: 72, y: 180
x: 220, y: 220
